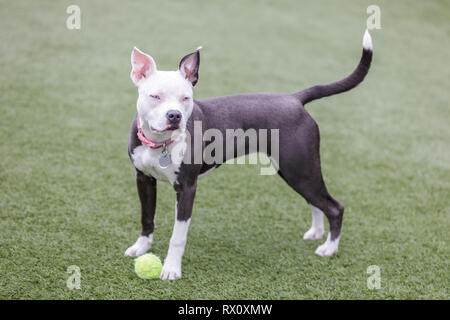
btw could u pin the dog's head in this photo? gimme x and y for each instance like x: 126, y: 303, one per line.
x: 165, y: 99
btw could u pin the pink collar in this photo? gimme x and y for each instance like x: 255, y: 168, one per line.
x: 148, y: 142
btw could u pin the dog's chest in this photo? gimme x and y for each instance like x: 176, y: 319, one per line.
x: 147, y: 161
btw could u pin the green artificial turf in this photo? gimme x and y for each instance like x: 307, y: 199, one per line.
x: 67, y: 189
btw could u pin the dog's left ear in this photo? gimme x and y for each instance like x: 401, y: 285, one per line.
x: 189, y: 66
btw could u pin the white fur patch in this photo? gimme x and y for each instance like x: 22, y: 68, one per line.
x: 367, y: 41
x: 141, y: 246
x: 329, y: 247
x: 317, y: 228
x: 147, y: 160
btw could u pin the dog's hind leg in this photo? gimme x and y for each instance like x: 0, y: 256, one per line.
x: 322, y: 203
x: 334, y: 211
x: 300, y: 168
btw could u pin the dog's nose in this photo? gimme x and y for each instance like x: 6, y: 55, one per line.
x: 174, y: 116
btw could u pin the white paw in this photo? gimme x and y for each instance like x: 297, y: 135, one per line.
x: 170, y: 272
x: 140, y: 247
x: 328, y: 248
x: 313, y: 234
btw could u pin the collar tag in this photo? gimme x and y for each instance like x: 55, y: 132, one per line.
x: 165, y: 159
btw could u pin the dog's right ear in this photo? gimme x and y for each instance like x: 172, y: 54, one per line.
x: 142, y: 66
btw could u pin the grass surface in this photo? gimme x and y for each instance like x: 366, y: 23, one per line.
x: 67, y: 189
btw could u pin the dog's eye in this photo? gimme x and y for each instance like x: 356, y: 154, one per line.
x: 156, y: 97
x: 186, y: 98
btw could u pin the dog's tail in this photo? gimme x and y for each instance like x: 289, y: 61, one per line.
x: 351, y: 81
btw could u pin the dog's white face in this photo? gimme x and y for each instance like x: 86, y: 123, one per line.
x: 165, y: 99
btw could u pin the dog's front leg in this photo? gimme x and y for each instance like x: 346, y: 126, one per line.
x: 183, y: 211
x: 146, y: 187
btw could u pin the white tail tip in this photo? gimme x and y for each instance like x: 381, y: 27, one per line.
x: 198, y: 48
x: 367, y: 41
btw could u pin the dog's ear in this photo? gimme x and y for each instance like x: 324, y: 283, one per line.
x: 142, y: 66
x: 189, y: 66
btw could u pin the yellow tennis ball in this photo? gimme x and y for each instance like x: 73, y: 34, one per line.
x: 148, y: 266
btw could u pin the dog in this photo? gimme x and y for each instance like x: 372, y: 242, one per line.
x: 165, y: 105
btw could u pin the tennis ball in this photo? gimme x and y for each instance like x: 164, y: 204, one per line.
x: 148, y: 266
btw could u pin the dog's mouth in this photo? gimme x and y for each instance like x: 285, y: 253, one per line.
x: 169, y: 127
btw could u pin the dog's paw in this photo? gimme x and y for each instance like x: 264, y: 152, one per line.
x: 140, y: 247
x: 313, y: 234
x: 170, y: 272
x: 328, y: 248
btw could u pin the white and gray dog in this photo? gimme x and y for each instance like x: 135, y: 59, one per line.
x: 166, y: 106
